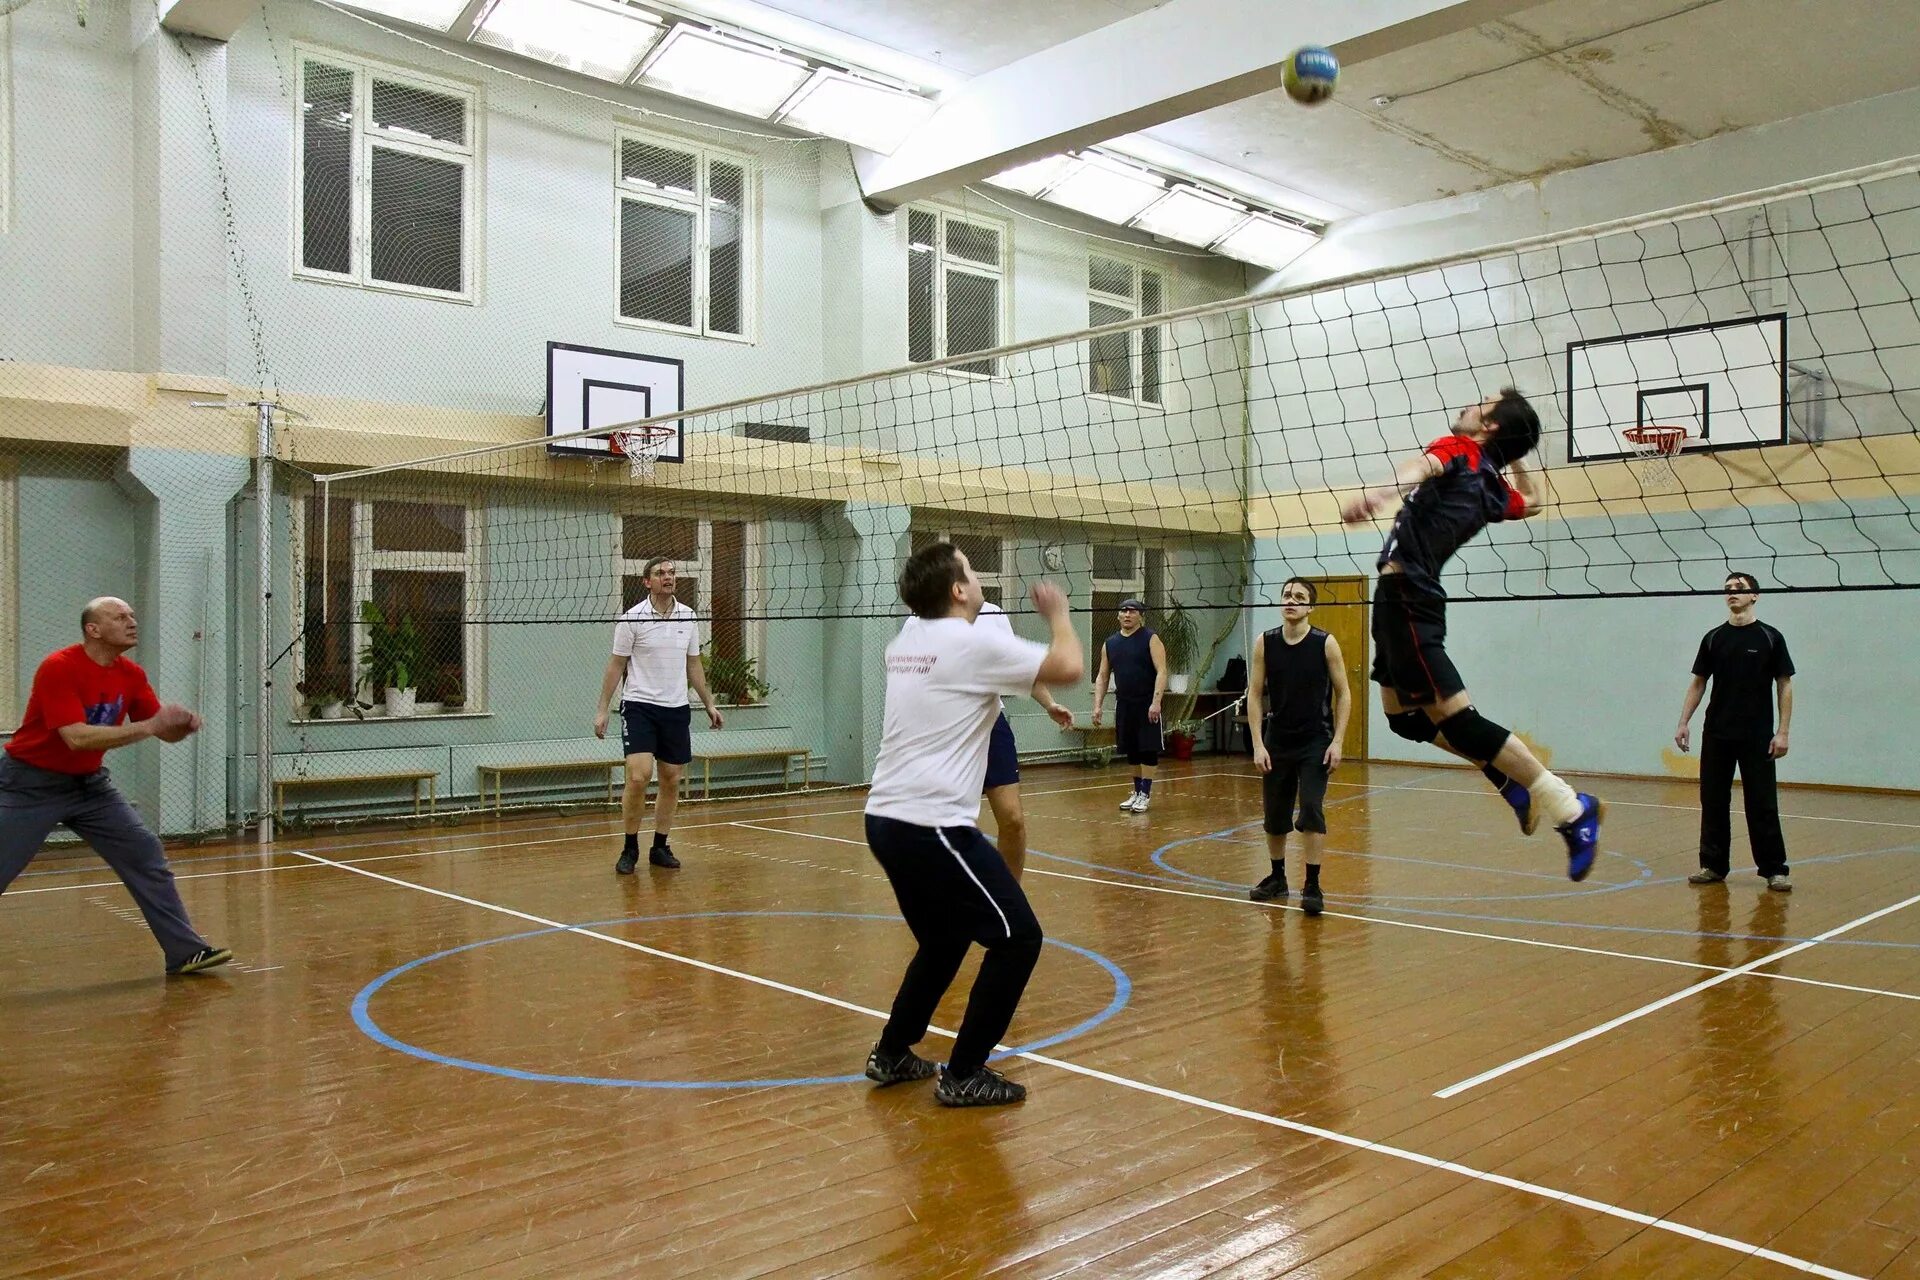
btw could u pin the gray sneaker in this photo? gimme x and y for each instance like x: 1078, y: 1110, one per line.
x: 1780, y: 884
x: 1704, y: 876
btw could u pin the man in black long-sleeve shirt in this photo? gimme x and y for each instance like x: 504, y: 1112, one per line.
x: 1742, y: 656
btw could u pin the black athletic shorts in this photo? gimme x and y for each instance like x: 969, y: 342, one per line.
x: 1134, y: 736
x: 1410, y: 643
x: 665, y: 733
x: 1299, y: 771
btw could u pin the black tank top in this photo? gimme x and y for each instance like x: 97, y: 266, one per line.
x: 1131, y: 657
x: 1299, y: 692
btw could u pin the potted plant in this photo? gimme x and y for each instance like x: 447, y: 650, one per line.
x: 1180, y: 738
x: 1181, y: 635
x: 453, y: 696
x: 324, y: 696
x: 735, y: 681
x: 392, y: 660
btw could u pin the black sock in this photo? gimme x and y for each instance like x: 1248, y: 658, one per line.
x: 659, y: 839
x: 632, y: 842
x: 1279, y: 869
x: 1493, y: 775
x: 1313, y: 875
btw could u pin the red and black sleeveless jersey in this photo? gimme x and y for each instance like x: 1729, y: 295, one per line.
x: 1447, y: 510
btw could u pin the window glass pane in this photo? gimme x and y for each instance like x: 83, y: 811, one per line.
x: 973, y: 244
x: 1151, y: 357
x: 405, y: 108
x: 675, y: 537
x: 417, y: 526
x: 686, y: 590
x: 973, y: 317
x: 328, y: 650
x: 1152, y: 296
x: 921, y: 227
x: 920, y: 269
x: 1109, y: 358
x: 992, y: 595
x: 726, y: 207
x: 924, y: 538
x: 656, y: 263
x: 1104, y: 622
x: 727, y: 629
x: 982, y: 552
x: 326, y: 153
x: 1155, y: 577
x: 669, y: 172
x: 1108, y: 275
x: 1113, y: 563
x: 436, y: 602
x: 633, y: 589
x: 418, y: 213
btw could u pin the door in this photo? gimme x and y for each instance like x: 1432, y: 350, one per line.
x: 1344, y: 612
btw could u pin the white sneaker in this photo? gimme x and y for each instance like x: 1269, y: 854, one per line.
x: 1127, y: 805
x: 1141, y: 801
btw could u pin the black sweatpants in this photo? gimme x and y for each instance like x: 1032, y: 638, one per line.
x: 1718, y: 759
x: 954, y: 889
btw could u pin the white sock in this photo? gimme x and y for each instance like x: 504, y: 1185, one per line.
x: 1554, y: 798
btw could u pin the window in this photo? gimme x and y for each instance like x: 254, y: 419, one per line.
x: 1127, y: 366
x: 986, y: 552
x: 956, y: 288
x: 10, y: 704
x: 416, y: 561
x: 717, y: 562
x: 685, y: 233
x: 386, y: 175
x: 1120, y: 571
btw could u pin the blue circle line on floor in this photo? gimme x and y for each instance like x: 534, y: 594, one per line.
x: 363, y: 1016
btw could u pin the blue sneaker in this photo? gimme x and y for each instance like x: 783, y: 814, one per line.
x: 1522, y: 801
x: 1583, y: 836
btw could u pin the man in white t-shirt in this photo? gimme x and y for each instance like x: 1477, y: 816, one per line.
x: 656, y: 655
x: 945, y: 679
x: 1003, y: 761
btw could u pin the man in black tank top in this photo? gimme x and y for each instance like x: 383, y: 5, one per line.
x: 1297, y: 703
x: 1136, y: 660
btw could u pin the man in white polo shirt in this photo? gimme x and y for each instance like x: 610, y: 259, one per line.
x: 945, y: 679
x: 656, y: 655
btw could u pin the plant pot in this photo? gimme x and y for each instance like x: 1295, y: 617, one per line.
x: 401, y: 702
x: 1179, y: 746
x: 1179, y: 683
x: 335, y: 710
x: 428, y: 708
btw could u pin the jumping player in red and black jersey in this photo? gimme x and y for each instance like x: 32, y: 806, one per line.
x: 1452, y: 491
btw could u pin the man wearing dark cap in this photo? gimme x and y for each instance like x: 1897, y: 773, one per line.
x: 1136, y: 661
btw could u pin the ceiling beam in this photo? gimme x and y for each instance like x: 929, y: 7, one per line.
x: 1183, y: 57
x: 211, y: 19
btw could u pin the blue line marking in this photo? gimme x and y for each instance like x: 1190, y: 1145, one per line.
x: 363, y: 1016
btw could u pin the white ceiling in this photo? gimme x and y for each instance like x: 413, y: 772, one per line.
x: 1556, y: 86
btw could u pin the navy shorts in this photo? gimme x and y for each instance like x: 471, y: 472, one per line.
x: 665, y: 733
x: 1134, y: 735
x: 1003, y: 757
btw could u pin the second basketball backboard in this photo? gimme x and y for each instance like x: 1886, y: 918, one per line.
x: 591, y: 388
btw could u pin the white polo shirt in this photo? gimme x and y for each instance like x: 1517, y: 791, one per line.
x: 656, y: 648
x: 945, y: 678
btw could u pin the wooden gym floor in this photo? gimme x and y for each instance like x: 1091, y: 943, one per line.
x: 1467, y: 1067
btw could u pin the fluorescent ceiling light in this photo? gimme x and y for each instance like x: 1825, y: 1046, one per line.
x: 593, y: 37
x: 1266, y: 242
x: 1035, y: 176
x: 866, y: 114
x: 716, y: 69
x: 438, y: 14
x: 1107, y: 189
x: 1190, y: 216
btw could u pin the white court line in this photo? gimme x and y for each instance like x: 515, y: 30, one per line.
x: 1721, y: 970
x: 1173, y: 1095
x: 1645, y: 1009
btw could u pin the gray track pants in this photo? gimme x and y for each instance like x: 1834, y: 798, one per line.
x: 34, y: 801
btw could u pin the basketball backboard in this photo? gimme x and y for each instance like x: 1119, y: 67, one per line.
x: 1725, y: 383
x: 589, y: 388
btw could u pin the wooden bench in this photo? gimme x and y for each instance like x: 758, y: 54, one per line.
x: 785, y: 755
x: 500, y: 772
x: 415, y: 776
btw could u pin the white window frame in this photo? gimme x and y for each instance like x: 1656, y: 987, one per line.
x: 754, y: 589
x: 366, y: 137
x: 943, y: 263
x: 701, y: 207
x: 1133, y: 304
x: 10, y: 706
x: 363, y: 561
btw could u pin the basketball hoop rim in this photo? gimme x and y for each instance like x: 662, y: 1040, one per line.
x: 659, y: 434
x: 1657, y: 439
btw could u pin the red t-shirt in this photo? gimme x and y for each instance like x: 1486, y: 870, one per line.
x: 71, y: 688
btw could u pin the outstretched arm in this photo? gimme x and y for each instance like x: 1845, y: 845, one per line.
x: 1406, y: 477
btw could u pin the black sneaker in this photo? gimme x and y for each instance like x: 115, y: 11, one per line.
x: 201, y: 960
x: 661, y: 855
x: 1269, y: 889
x: 903, y: 1068
x: 984, y: 1088
x: 629, y: 859
x: 1310, y: 900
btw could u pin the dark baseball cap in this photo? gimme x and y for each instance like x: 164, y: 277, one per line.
x: 1134, y: 603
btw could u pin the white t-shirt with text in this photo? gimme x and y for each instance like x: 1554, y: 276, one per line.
x: 945, y: 678
x: 656, y: 648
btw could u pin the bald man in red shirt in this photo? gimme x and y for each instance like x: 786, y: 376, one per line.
x: 88, y: 699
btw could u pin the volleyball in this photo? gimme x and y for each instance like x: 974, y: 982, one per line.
x: 1310, y: 74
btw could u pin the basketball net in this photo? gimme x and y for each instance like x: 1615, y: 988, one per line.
x: 642, y: 447
x: 1654, y: 449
